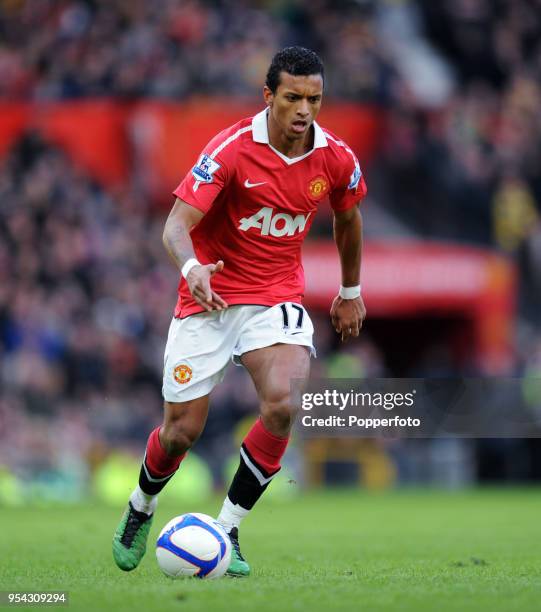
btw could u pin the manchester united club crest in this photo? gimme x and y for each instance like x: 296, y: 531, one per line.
x: 318, y: 187
x: 182, y: 374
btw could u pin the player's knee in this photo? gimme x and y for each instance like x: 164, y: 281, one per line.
x: 278, y: 413
x: 177, y: 437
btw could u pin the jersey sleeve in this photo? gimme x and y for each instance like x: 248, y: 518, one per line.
x: 209, y: 176
x: 351, y: 188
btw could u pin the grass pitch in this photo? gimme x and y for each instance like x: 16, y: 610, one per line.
x: 404, y: 550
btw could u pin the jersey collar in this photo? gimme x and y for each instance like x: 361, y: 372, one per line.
x: 260, y: 131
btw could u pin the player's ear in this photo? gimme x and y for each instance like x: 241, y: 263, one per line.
x: 268, y: 96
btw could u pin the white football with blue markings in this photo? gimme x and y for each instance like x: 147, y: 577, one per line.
x: 193, y: 545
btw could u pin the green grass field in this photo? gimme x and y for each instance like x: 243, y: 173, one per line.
x: 405, y: 550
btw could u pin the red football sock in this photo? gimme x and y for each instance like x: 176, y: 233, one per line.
x: 265, y: 448
x: 159, y: 463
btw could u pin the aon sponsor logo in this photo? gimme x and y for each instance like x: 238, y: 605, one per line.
x: 278, y: 224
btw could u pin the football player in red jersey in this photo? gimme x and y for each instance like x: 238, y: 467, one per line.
x: 235, y: 233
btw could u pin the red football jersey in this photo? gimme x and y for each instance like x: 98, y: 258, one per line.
x: 259, y: 205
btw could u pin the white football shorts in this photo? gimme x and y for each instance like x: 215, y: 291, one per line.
x: 200, y: 346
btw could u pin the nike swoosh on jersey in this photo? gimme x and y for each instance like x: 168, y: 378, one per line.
x: 249, y: 185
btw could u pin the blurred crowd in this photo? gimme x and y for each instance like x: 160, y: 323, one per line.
x: 86, y: 291
x: 81, y: 306
x: 471, y: 168
x: 174, y: 48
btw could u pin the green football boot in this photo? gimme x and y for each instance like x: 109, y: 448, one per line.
x: 130, y: 539
x: 238, y: 566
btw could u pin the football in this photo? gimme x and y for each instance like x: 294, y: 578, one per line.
x: 193, y: 545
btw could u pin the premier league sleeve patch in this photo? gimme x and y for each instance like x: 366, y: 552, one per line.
x: 204, y: 169
x: 355, y: 177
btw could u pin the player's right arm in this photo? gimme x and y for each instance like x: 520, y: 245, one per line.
x: 196, y: 195
x: 178, y: 243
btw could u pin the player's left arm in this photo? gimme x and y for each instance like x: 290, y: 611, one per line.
x: 347, y: 314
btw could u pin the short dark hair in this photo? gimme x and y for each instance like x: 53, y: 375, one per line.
x: 297, y: 61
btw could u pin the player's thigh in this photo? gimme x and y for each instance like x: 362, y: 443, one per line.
x: 272, y: 369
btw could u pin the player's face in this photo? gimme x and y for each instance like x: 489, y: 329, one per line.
x: 296, y: 103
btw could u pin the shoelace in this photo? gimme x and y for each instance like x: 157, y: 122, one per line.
x: 236, y: 546
x: 132, y: 526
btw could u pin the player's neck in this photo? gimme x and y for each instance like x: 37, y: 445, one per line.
x: 286, y: 146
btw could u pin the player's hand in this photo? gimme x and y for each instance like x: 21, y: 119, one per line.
x: 198, y: 280
x: 347, y: 316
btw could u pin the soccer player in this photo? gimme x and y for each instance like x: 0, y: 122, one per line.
x: 235, y: 232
